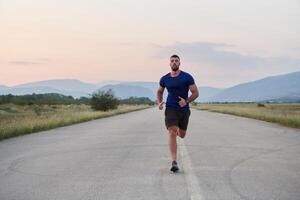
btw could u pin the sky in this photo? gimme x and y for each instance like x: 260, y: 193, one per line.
x: 220, y: 43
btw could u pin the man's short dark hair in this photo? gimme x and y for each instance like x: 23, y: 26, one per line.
x: 175, y: 56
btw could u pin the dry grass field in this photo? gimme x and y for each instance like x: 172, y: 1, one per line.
x: 284, y: 114
x: 19, y: 120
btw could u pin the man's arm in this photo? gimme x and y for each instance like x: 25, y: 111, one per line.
x: 195, y: 93
x: 159, y: 94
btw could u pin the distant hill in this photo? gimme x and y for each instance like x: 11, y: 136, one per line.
x: 274, y: 88
x: 107, y: 82
x: 207, y: 92
x: 3, y: 87
x: 125, y: 90
x: 62, y: 85
x: 150, y: 85
x: 29, y: 90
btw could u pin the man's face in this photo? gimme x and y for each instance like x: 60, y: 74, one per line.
x: 174, y: 64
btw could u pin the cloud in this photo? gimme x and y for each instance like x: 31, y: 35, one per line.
x: 30, y: 62
x: 210, y: 53
x: 22, y: 62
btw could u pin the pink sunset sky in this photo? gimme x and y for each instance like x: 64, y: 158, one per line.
x: 221, y: 43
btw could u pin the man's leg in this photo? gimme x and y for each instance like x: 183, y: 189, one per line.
x: 172, y: 141
x: 171, y: 122
x: 183, y: 124
x: 181, y: 133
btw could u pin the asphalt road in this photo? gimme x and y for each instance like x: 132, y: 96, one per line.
x: 126, y: 157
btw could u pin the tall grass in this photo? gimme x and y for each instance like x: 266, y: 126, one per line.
x: 19, y: 120
x: 284, y: 114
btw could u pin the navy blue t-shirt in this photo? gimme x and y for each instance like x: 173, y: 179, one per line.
x: 177, y: 86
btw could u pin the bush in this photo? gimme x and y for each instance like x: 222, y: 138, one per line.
x: 194, y: 103
x: 136, y: 100
x: 260, y: 105
x: 104, y: 100
x: 39, y: 99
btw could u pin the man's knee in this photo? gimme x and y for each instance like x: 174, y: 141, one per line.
x: 173, y: 131
x: 182, y: 133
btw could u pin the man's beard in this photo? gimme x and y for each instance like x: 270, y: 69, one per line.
x: 175, y: 68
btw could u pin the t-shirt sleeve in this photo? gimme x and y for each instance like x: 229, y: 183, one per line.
x: 162, y: 82
x: 190, y: 80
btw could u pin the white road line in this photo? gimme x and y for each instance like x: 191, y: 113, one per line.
x: 190, y: 177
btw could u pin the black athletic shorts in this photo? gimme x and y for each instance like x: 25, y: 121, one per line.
x: 177, y: 118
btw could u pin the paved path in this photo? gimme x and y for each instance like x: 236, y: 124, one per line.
x: 126, y: 157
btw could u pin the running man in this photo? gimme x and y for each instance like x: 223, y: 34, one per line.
x: 177, y: 112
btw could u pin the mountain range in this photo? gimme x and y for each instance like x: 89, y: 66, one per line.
x: 282, y: 88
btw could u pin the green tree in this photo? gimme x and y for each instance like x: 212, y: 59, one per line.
x: 104, y: 100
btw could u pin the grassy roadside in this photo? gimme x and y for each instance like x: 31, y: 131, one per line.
x: 284, y: 114
x: 18, y: 120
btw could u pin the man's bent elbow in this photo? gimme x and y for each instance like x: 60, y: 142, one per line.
x: 159, y: 93
x: 196, y: 94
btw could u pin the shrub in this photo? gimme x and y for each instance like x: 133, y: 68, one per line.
x: 260, y: 105
x: 104, y: 100
x: 136, y: 100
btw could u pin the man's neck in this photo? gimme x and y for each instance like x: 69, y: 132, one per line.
x: 175, y: 73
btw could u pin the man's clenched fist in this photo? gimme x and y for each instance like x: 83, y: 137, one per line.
x: 161, y: 105
x: 182, y: 101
